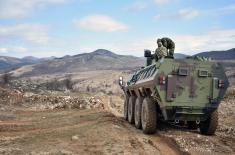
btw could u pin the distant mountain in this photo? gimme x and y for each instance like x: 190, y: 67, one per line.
x: 180, y: 56
x: 30, y: 60
x: 47, y: 58
x: 98, y: 60
x: 219, y: 55
x: 7, y: 63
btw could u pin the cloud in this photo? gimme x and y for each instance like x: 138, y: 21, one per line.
x: 137, y: 6
x: 100, y: 23
x: 187, y: 14
x: 220, y: 11
x: 187, y: 44
x: 40, y: 52
x: 228, y: 9
x: 161, y: 2
x: 21, y: 8
x: 183, y: 14
x: 20, y: 49
x: 213, y: 40
x: 190, y: 13
x: 30, y: 33
x: 45, y: 53
x: 3, y: 50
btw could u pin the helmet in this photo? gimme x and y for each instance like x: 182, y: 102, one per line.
x: 159, y: 40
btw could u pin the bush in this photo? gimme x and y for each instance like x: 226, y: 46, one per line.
x: 60, y: 85
x: 6, y: 78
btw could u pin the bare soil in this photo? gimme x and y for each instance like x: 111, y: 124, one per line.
x: 52, y: 128
x: 76, y: 132
x: 28, y: 130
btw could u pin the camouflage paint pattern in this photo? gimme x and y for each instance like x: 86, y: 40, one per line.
x: 169, y: 44
x: 161, y: 52
x: 190, y: 90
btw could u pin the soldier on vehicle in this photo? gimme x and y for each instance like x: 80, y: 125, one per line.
x: 161, y: 51
x: 169, y: 44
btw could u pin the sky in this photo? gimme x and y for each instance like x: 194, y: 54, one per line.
x: 44, y: 28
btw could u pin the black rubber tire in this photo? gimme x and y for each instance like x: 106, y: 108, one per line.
x: 138, y: 108
x: 149, y: 116
x: 192, y: 125
x: 131, y: 110
x: 209, y: 126
x: 126, y: 101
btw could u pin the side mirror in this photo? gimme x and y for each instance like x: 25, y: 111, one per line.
x: 121, y: 81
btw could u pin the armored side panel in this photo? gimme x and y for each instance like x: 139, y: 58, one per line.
x: 186, y: 89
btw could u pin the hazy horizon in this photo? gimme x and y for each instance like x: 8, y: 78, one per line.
x: 91, y: 52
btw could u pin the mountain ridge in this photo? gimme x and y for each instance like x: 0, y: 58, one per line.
x: 219, y: 55
x: 100, y: 59
x: 8, y: 63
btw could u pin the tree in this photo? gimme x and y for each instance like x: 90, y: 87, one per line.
x: 68, y: 83
x: 6, y: 78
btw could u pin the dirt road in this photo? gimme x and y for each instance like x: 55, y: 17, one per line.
x: 76, y: 132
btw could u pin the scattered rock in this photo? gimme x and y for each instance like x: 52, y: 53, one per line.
x: 75, y: 137
x: 50, y: 102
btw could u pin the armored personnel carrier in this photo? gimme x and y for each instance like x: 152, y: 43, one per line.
x: 187, y: 90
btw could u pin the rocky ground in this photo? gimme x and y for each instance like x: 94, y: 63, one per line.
x: 83, y: 124
x: 221, y: 143
x: 52, y: 124
x: 12, y: 99
x: 89, y: 120
x: 192, y: 141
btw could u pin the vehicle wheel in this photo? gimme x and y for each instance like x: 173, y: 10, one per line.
x: 192, y: 125
x: 138, y: 108
x: 131, y: 109
x: 209, y: 126
x: 149, y: 116
x: 126, y: 107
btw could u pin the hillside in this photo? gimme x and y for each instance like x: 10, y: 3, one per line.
x: 180, y: 56
x: 219, y: 55
x: 7, y: 63
x: 98, y: 60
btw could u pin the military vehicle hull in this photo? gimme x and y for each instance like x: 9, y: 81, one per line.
x: 188, y: 90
